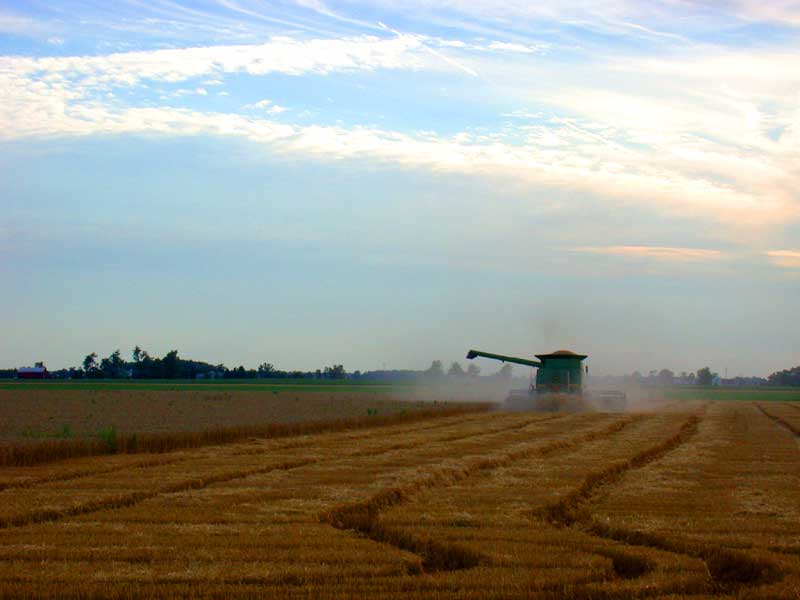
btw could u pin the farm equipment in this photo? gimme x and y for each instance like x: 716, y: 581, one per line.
x: 558, y: 384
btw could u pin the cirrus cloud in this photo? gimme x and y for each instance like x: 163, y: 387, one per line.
x: 657, y: 253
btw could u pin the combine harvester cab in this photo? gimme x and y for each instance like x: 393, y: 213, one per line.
x: 558, y: 384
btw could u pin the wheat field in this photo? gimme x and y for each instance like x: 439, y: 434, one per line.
x: 696, y: 500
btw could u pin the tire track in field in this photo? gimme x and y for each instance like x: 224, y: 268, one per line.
x: 290, y: 444
x: 126, y: 500
x: 133, y: 498
x: 780, y: 421
x: 463, y: 436
x: 727, y: 568
x: 363, y: 516
x: 79, y: 474
x: 377, y: 431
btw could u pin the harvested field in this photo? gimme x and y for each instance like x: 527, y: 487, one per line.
x: 700, y: 499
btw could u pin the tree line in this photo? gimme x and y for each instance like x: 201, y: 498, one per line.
x: 702, y: 377
x: 787, y: 377
x: 142, y: 365
x: 171, y: 366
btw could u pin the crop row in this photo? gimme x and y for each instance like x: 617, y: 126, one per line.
x: 726, y: 495
x: 635, y: 506
x: 35, y: 475
x: 195, y: 472
x: 114, y: 443
x: 725, y: 566
x: 363, y: 516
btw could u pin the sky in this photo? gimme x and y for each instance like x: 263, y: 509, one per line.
x: 313, y: 182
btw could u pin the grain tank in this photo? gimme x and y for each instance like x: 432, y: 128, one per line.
x: 560, y: 371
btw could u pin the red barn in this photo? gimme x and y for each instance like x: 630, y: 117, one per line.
x: 37, y: 372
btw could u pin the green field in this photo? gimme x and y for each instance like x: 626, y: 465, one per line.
x: 734, y: 394
x: 229, y: 385
x: 350, y: 386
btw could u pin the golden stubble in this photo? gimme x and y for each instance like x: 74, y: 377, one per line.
x: 697, y: 499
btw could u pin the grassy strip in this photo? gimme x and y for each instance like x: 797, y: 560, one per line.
x: 53, y: 450
x: 725, y: 566
x: 364, y: 516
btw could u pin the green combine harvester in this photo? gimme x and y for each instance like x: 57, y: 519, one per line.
x: 558, y: 384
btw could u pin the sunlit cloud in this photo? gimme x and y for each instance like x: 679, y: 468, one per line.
x: 721, y: 143
x: 657, y: 253
x: 788, y: 259
x: 480, y: 156
x: 563, y: 152
x: 784, y: 11
x: 266, y: 106
x: 260, y: 105
x: 280, y: 55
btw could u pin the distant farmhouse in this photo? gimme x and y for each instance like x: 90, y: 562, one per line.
x: 36, y: 372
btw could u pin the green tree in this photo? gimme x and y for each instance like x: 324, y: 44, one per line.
x: 137, y: 354
x: 787, y: 377
x: 455, y: 371
x: 704, y: 376
x: 334, y: 372
x: 473, y: 370
x: 665, y: 377
x: 90, y: 362
x: 113, y: 366
x: 436, y: 370
x: 171, y: 365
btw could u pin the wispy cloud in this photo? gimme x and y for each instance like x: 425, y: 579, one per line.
x: 45, y: 114
x: 720, y: 142
x: 783, y: 11
x: 654, y: 20
x: 788, y: 259
x: 657, y: 253
x: 280, y: 55
x: 266, y: 106
x: 514, y: 47
x: 261, y: 104
x: 190, y: 92
x: 20, y: 25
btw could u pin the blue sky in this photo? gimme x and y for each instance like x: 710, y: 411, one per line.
x: 308, y: 182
